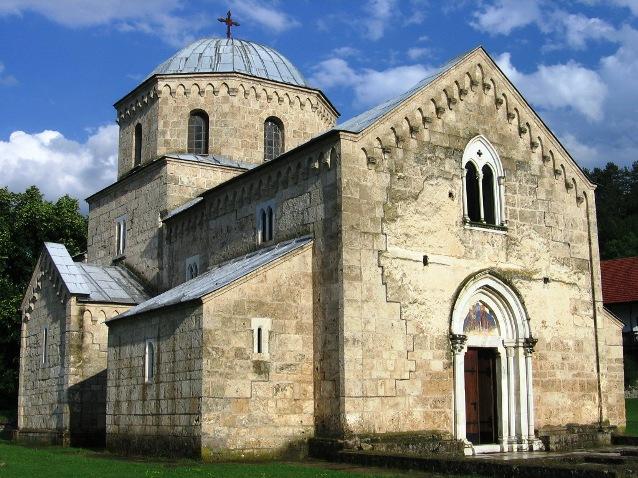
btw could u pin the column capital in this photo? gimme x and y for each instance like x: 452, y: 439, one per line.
x: 457, y: 342
x: 528, y: 344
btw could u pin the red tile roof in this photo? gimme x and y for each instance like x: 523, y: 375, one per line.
x: 620, y: 280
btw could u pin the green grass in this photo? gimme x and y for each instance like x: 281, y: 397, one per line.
x: 631, y: 408
x: 18, y: 461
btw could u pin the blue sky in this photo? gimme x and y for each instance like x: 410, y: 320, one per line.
x: 64, y: 63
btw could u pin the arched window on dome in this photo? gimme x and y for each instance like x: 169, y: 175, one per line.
x: 273, y: 138
x: 198, y: 132
x: 137, y: 148
x: 483, y: 184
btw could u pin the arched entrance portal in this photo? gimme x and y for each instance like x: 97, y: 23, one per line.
x: 492, y: 346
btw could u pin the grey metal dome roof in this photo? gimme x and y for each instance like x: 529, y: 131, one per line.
x: 224, y: 55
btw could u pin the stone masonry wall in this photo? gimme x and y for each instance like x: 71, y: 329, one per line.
x: 143, y: 197
x: 260, y: 405
x: 144, y: 111
x: 402, y: 199
x: 43, y: 408
x: 162, y: 417
x: 237, y: 107
x: 302, y: 188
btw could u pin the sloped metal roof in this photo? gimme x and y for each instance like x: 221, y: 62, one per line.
x: 92, y: 283
x: 225, y: 55
x: 360, y: 122
x: 211, y: 159
x: 216, y: 278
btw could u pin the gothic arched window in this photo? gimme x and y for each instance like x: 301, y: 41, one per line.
x: 266, y: 224
x: 198, y: 132
x: 472, y: 192
x: 137, y: 148
x: 483, y: 189
x: 273, y: 138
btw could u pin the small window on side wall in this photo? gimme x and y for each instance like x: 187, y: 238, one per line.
x: 273, y: 138
x: 120, y: 235
x: 198, y: 132
x: 45, y: 345
x: 261, y: 335
x: 137, y: 148
x: 192, y: 267
x: 149, y: 362
x: 265, y: 223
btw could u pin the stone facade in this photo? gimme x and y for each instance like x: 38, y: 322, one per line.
x: 237, y: 106
x: 143, y: 198
x: 368, y: 326
x: 213, y: 395
x: 62, y: 395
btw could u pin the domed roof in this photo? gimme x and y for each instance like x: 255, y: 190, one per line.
x: 224, y: 55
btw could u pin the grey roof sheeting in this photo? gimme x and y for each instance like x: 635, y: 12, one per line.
x: 218, y: 277
x: 211, y: 159
x: 183, y: 207
x: 94, y: 283
x: 360, y: 122
x: 217, y: 55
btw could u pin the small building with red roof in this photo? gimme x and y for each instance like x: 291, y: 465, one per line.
x: 620, y: 296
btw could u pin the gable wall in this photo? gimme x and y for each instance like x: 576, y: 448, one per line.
x: 303, y: 188
x: 42, y: 401
x: 258, y: 405
x: 397, y: 358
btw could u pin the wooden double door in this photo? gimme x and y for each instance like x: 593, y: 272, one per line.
x: 481, y: 411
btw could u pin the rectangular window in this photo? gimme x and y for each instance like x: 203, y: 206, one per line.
x: 120, y: 235
x: 149, y: 362
x: 45, y: 345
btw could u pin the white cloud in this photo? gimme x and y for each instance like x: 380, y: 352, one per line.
x: 58, y: 165
x: 162, y: 18
x: 503, y: 16
x: 6, y: 79
x: 345, y: 51
x: 265, y: 14
x: 370, y: 86
x: 379, y: 14
x: 578, y: 29
x: 561, y: 86
x: 416, y: 53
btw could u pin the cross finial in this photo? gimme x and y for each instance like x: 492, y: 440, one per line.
x: 229, y: 23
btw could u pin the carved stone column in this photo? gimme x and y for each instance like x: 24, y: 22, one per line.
x: 528, y: 347
x: 501, y: 195
x: 466, y: 217
x: 457, y: 343
x: 511, y: 394
x: 480, y: 190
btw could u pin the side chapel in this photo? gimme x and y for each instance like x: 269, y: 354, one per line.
x: 259, y: 276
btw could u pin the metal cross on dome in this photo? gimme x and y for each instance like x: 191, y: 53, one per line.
x: 229, y: 23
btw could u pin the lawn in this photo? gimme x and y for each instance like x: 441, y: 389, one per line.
x: 18, y: 461
x: 631, y: 408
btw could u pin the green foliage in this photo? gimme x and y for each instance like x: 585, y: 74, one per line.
x: 617, y: 210
x: 19, y: 461
x: 27, y: 220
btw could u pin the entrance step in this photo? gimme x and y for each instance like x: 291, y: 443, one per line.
x: 605, y: 459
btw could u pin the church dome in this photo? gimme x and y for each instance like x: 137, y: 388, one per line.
x: 226, y: 55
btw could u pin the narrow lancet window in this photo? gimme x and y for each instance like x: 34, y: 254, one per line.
x: 149, y: 362
x: 472, y: 193
x: 489, y: 212
x: 273, y: 138
x: 198, y: 132
x: 137, y: 152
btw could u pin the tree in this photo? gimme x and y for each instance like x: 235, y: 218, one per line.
x: 617, y: 210
x: 27, y: 220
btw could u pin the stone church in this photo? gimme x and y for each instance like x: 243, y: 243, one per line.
x: 260, y: 277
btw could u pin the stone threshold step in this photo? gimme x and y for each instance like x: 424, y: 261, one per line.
x: 465, y: 466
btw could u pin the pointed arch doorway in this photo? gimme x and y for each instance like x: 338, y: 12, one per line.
x: 492, y: 346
